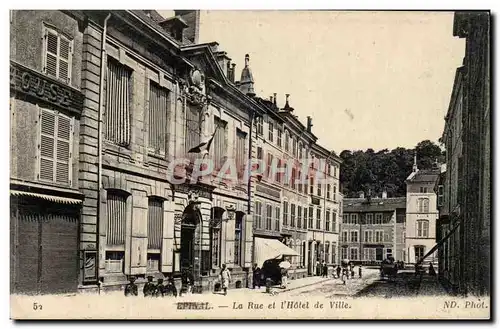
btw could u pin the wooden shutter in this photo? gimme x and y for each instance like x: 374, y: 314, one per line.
x: 155, y: 223
x: 117, y: 212
x: 63, y: 142
x: 47, y: 144
x: 157, y: 118
x: 64, y: 59
x: 51, y: 50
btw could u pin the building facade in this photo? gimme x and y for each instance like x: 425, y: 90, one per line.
x: 421, y: 214
x: 373, y: 229
x: 45, y: 111
x: 465, y: 216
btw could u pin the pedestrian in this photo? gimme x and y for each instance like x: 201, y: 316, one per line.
x: 256, y: 276
x: 325, y: 269
x: 284, y: 278
x: 170, y: 289
x: 339, y: 270
x: 187, y: 280
x: 149, y: 288
x: 318, y: 268
x: 131, y: 287
x: 432, y: 272
x: 352, y: 270
x: 160, y: 289
x: 226, y: 278
x: 360, y: 271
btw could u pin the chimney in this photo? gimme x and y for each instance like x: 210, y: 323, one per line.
x: 233, y: 70
x: 275, y: 96
x: 247, y: 82
x: 192, y: 19
x: 361, y: 195
x: 224, y: 62
x: 309, y: 124
x: 384, y: 194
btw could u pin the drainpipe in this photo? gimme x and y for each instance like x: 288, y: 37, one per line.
x: 99, y: 138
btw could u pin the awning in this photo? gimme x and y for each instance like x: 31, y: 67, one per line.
x: 270, y: 249
x: 443, y: 240
x: 52, y: 198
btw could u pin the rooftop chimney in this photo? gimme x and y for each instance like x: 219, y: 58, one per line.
x: 275, y: 96
x: 415, y: 167
x: 309, y: 124
x: 192, y: 19
x: 246, y: 81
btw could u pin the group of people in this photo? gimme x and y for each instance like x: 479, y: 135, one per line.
x: 151, y: 289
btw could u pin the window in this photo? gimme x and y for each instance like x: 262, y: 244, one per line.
x: 423, y: 228
x: 327, y: 221
x: 329, y: 169
x: 270, y: 131
x: 58, y: 54
x: 344, y: 236
x: 369, y: 218
x: 328, y: 195
x: 241, y: 155
x: 292, y: 215
x: 258, y: 214
x: 368, y: 236
x: 423, y: 205
x: 311, y: 185
x: 269, y: 217
x: 55, y: 147
x: 319, y: 189
x: 238, y: 238
x: 334, y: 171
x: 287, y: 141
x: 117, y: 212
x: 269, y: 165
x: 278, y: 173
x: 423, y: 189
x: 285, y: 213
x: 155, y: 223
x: 301, y: 149
x: 334, y: 252
x: 334, y: 222
x: 279, y: 140
x: 259, y: 126
x: 299, y: 184
x: 378, y: 218
x: 219, y: 143
x: 334, y: 192
x: 327, y: 252
x: 215, y: 236
x: 388, y: 253
x: 259, y: 153
x: 344, y: 253
x: 294, y: 147
x: 294, y: 185
x: 440, y: 195
x: 354, y: 253
x: 369, y: 253
x: 117, y: 111
x: 419, y: 252
x: 379, y: 236
x: 311, y: 214
x: 354, y: 236
x: 277, y: 219
x: 318, y: 218
x: 354, y: 219
x: 157, y: 118
x: 299, y: 216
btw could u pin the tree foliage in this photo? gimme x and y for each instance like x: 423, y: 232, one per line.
x: 376, y: 171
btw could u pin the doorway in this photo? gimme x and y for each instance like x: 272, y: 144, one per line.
x: 187, y: 246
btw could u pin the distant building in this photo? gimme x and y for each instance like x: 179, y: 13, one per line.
x: 373, y: 229
x: 421, y: 213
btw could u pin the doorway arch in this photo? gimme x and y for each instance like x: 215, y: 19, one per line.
x: 190, y: 239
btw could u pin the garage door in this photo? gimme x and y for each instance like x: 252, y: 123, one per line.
x: 47, y: 251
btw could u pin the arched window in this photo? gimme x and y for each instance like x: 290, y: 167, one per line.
x: 423, y: 205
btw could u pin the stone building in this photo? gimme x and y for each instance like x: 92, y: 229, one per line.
x: 421, y: 213
x: 465, y: 215
x: 373, y: 229
x: 45, y: 124
x: 160, y: 94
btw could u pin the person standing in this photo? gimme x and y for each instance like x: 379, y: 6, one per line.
x: 325, y: 269
x: 360, y: 272
x: 160, y: 289
x: 131, y: 287
x: 339, y: 270
x: 225, y: 277
x: 284, y: 277
x: 149, y: 288
x: 257, y: 272
x: 318, y: 268
x: 170, y: 289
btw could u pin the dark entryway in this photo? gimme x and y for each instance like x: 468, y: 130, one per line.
x: 187, y: 246
x: 190, y: 240
x: 379, y: 254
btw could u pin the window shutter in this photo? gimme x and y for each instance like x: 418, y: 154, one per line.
x: 51, y: 45
x: 63, y: 149
x: 47, y: 142
x: 64, y: 57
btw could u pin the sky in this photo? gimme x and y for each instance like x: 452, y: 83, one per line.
x: 368, y: 79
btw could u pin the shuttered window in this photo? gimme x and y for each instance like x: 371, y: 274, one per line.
x: 258, y: 215
x: 269, y: 214
x: 117, y: 113
x: 299, y: 217
x: 56, y: 131
x: 157, y: 118
x: 58, y: 54
x: 238, y: 238
x: 240, y: 151
x: 215, y: 237
x: 292, y: 215
x: 155, y: 223
x: 117, y: 212
x: 285, y: 213
x: 277, y: 215
x: 219, y: 143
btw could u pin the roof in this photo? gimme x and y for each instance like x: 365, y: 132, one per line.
x: 425, y: 175
x: 375, y: 204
